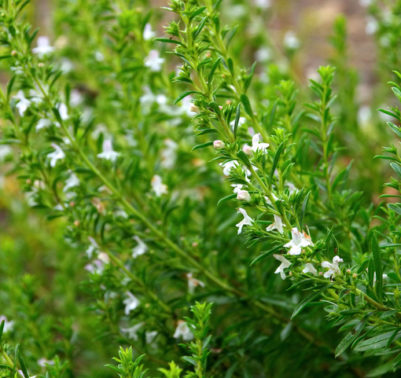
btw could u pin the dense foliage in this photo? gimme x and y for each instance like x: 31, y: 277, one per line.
x: 188, y: 211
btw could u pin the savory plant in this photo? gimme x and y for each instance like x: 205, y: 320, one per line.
x: 213, y: 221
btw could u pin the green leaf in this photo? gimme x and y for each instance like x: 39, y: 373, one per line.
x: 265, y: 254
x: 377, y: 266
x: 276, y: 159
x: 237, y: 117
x: 396, y: 168
x: 226, y: 198
x: 374, y: 343
x: 203, y: 145
x: 247, y: 105
x: 185, y: 94
x: 307, y: 301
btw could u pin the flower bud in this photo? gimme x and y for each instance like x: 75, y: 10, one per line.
x: 243, y: 195
x: 247, y: 149
x: 218, y: 144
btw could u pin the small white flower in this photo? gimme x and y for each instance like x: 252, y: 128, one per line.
x: 276, y: 225
x: 23, y: 103
x: 291, y: 41
x: 108, y: 153
x: 187, y: 107
x: 93, y: 247
x: 57, y: 154
x: 132, y: 332
x: 291, y: 187
x: 5, y: 151
x: 131, y: 302
x: 247, y: 221
x: 218, y: 144
x: 299, y: 240
x: 8, y: 325
x: 63, y: 111
x: 256, y: 145
x: 242, y: 195
x: 71, y: 182
x: 153, y: 61
x: 148, y: 33
x: 332, y: 267
x: 228, y: 166
x: 264, y: 54
x: 284, y: 265
x: 241, y: 121
x: 193, y: 283
x: 183, y: 331
x: 168, y: 154
x: 43, y: 47
x: 157, y: 185
x: 309, y: 268
x: 150, y: 336
x: 263, y: 4
x: 140, y: 249
x: 43, y: 362
x: 42, y: 124
x: 76, y: 98
x: 99, y: 56
x: 371, y: 26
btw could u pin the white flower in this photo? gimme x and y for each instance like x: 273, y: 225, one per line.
x: 298, y: 241
x: 218, y: 144
x: 148, y: 33
x: 183, y: 331
x: 71, y: 182
x: 276, y: 225
x: 43, y: 362
x: 43, y: 123
x: 168, y: 154
x: 76, y: 98
x: 242, y: 195
x: 263, y: 4
x: 365, y: 3
x: 291, y: 41
x: 57, y: 154
x: 92, y: 247
x: 63, y: 111
x: 5, y: 151
x: 187, y: 107
x: 193, y: 283
x: 371, y: 26
x: 150, y: 336
x: 284, y: 265
x: 157, y: 185
x: 131, y: 302
x: 264, y: 54
x: 43, y: 47
x: 309, y: 268
x: 241, y: 121
x: 228, y: 166
x: 153, y: 61
x: 332, y: 267
x: 140, y: 249
x: 291, y: 187
x: 256, y: 145
x: 96, y: 266
x: 247, y: 221
x: 132, y: 332
x: 23, y: 103
x: 8, y: 325
x: 108, y: 153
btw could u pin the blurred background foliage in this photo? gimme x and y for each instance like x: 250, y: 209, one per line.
x: 39, y: 271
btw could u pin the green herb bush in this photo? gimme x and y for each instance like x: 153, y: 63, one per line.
x: 179, y: 203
